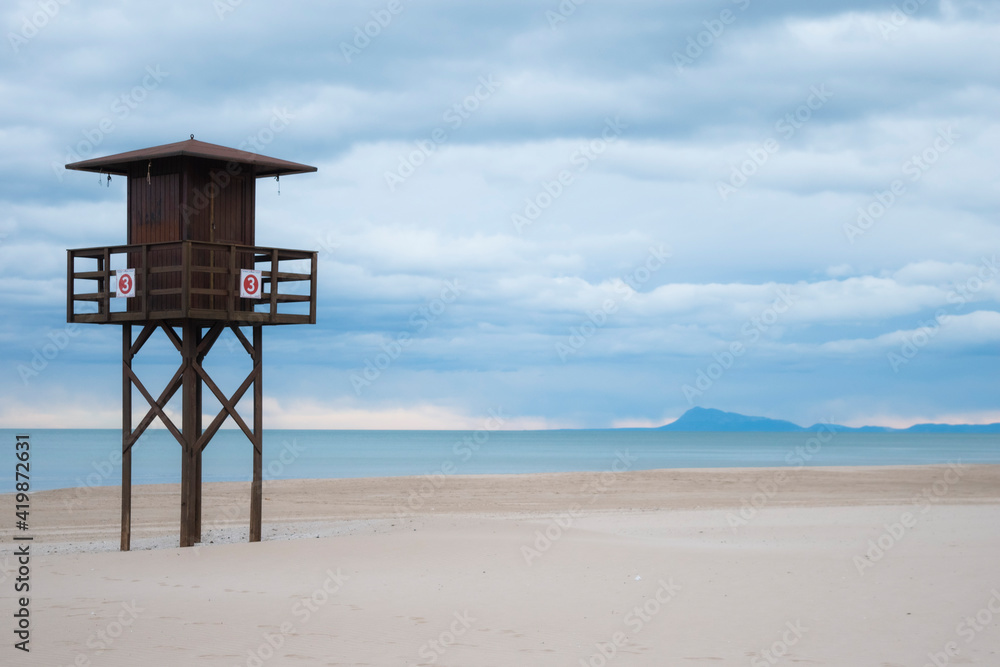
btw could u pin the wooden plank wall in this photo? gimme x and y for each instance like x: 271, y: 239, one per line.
x: 153, y: 217
x: 185, y: 198
x: 220, y: 210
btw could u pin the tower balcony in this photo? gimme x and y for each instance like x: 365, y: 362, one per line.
x: 184, y: 281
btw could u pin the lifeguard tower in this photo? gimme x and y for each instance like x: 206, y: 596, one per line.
x: 191, y: 269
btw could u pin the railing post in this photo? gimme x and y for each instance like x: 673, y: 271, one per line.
x: 70, y: 285
x: 274, y: 284
x: 312, y: 288
x: 106, y: 301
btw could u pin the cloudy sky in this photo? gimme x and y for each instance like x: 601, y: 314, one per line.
x: 582, y: 215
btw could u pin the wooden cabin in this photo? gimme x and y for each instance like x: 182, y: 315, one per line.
x: 190, y: 229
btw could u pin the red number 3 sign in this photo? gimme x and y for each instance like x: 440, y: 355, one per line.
x: 125, y: 283
x: 249, y: 284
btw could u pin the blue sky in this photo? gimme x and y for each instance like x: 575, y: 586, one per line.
x: 584, y: 215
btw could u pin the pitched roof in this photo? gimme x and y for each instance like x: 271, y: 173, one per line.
x: 118, y: 164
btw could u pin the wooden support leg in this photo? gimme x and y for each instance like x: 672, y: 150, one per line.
x: 190, y: 408
x: 196, y: 529
x: 126, y: 542
x: 256, y: 487
x: 197, y: 450
x: 256, y: 498
x: 187, y: 502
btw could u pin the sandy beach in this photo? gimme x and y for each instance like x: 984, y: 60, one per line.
x: 888, y: 566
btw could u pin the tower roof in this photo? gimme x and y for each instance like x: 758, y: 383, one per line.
x: 264, y: 166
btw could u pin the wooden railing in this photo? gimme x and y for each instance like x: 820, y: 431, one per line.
x: 190, y: 280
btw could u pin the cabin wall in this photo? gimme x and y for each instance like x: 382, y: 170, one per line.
x: 185, y: 198
x: 218, y: 202
x: 154, y: 202
x: 154, y: 217
x: 217, y: 207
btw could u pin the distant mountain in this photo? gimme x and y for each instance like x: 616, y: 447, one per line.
x: 710, y: 419
x: 953, y: 428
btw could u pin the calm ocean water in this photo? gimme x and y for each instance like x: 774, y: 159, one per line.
x: 68, y: 457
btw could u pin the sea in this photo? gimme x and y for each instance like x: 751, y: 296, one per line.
x: 67, y: 458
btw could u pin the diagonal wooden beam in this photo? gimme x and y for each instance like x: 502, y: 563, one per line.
x: 243, y: 339
x: 174, y: 338
x: 205, y: 346
x: 141, y: 339
x: 156, y: 407
x: 225, y: 412
x: 168, y: 393
x: 228, y: 405
x: 220, y: 419
x: 212, y: 429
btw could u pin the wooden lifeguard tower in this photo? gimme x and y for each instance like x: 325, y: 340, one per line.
x: 191, y: 269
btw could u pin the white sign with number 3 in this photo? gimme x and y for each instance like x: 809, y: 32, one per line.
x: 249, y: 284
x: 125, y: 283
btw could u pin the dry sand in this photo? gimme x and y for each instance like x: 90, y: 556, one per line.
x: 835, y: 566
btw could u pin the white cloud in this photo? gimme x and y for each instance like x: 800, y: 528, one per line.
x: 414, y: 417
